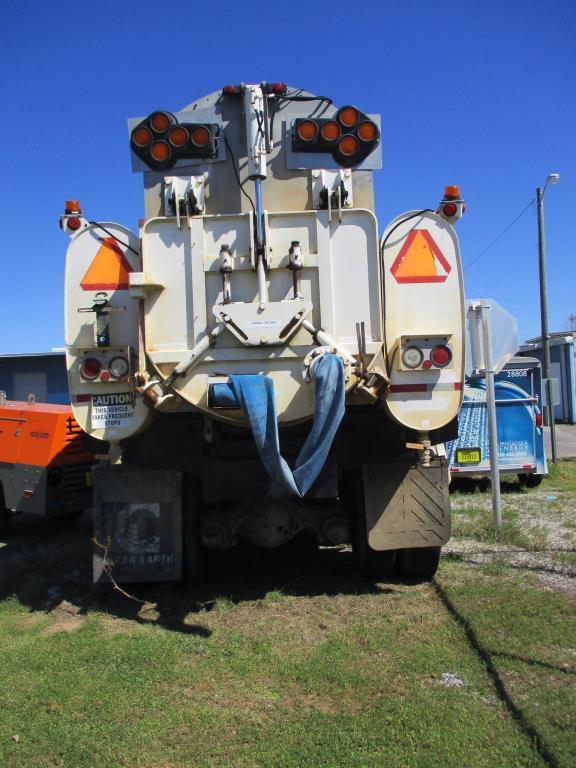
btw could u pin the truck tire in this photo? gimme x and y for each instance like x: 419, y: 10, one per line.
x: 418, y: 563
x: 530, y: 480
x: 372, y: 564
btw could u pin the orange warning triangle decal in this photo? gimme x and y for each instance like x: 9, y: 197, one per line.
x: 419, y: 260
x: 109, y: 269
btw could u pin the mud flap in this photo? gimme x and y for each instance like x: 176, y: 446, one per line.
x: 406, y: 505
x: 137, y: 524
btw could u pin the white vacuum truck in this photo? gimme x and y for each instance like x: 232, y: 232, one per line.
x: 261, y: 361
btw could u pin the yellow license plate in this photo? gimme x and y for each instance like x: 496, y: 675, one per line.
x: 468, y: 455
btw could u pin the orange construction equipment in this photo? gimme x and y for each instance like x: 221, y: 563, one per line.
x: 44, y: 462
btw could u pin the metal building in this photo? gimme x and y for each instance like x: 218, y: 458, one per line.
x: 42, y: 374
x: 562, y: 352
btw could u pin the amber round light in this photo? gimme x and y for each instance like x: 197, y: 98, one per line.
x: 367, y: 131
x: 307, y: 130
x: 141, y: 137
x: 348, y: 116
x: 348, y: 145
x: 160, y: 151
x: 200, y: 136
x: 178, y: 136
x: 160, y: 122
x: 330, y: 130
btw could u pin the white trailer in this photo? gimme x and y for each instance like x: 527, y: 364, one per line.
x: 258, y: 298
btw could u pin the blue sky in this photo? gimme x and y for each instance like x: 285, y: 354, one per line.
x: 481, y: 93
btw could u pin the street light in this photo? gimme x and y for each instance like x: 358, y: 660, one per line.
x: 552, y: 179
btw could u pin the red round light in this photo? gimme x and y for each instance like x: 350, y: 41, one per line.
x: 160, y: 151
x: 348, y: 145
x: 160, y: 122
x: 449, y: 209
x: 426, y: 364
x: 105, y: 376
x: 178, y: 136
x: 74, y: 223
x: 538, y: 419
x: 441, y: 356
x: 91, y: 367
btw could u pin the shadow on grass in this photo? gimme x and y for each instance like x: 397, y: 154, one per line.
x: 47, y: 562
x: 486, y: 657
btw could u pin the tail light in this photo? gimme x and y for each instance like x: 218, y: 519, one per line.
x: 91, y: 368
x: 73, y: 223
x: 412, y: 357
x: 538, y: 419
x: 118, y: 367
x: 441, y: 356
x: 449, y: 209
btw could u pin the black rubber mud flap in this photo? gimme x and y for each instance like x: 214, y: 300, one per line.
x: 407, y: 505
x: 137, y: 524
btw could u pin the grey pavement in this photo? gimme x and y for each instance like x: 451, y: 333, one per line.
x: 565, y: 441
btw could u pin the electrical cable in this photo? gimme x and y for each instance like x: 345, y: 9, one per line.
x: 97, y: 224
x: 501, y: 235
x: 295, y: 96
x: 237, y: 175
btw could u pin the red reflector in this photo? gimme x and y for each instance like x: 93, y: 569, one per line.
x: 426, y: 364
x: 449, y: 209
x: 105, y: 376
x: 538, y: 419
x: 457, y: 385
x: 454, y: 469
x: 527, y: 466
x: 409, y: 388
x: 441, y: 356
x: 91, y: 367
x: 74, y: 223
x: 28, y: 494
x: 83, y: 398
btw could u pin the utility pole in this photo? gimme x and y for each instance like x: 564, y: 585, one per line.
x: 552, y: 179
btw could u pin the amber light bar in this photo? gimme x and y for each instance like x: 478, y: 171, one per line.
x: 350, y: 136
x: 160, y: 140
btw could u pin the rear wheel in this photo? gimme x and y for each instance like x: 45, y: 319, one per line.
x: 530, y: 481
x: 418, y: 563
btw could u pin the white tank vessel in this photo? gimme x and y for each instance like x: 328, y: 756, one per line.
x: 259, y: 299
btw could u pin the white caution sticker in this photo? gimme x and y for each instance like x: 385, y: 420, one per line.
x: 114, y: 410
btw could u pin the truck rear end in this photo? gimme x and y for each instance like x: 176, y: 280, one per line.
x: 262, y: 359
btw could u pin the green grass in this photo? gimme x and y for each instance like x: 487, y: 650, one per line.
x: 298, y: 680
x: 290, y: 661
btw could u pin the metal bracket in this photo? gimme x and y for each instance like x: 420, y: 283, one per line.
x: 332, y: 189
x: 184, y: 197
